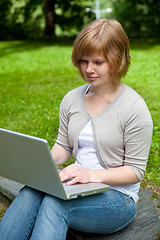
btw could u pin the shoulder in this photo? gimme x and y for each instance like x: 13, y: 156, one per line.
x: 131, y: 98
x: 131, y: 95
x: 73, y: 97
x: 133, y: 106
x: 76, y: 92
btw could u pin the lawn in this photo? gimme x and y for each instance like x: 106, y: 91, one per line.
x: 34, y: 77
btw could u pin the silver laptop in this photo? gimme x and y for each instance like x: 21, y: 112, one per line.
x: 28, y: 160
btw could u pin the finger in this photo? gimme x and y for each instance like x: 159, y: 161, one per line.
x: 73, y: 181
x: 66, y: 174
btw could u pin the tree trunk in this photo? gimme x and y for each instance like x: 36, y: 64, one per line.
x: 49, y: 6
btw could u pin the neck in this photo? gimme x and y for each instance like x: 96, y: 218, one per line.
x: 109, y: 90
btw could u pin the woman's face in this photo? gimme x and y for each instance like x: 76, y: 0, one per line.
x: 95, y: 70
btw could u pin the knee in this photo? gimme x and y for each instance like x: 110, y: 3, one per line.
x: 51, y: 204
x: 30, y: 194
x: 49, y: 201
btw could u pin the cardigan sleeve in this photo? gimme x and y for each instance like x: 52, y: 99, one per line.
x: 137, y: 138
x: 62, y: 138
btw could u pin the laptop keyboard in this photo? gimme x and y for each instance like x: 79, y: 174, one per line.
x: 77, y: 187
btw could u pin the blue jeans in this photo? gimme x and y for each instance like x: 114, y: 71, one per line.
x: 41, y: 216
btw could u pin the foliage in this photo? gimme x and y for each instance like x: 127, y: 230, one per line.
x: 25, y: 19
x: 141, y: 18
x: 4, y: 6
x: 72, y: 15
x: 34, y: 77
x: 20, y: 19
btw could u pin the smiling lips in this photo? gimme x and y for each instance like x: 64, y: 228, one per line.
x: 91, y: 78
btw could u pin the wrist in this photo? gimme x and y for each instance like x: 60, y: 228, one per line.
x: 94, y: 176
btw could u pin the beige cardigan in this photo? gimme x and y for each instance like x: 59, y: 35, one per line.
x: 122, y: 132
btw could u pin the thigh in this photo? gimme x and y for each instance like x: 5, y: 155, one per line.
x: 18, y: 221
x: 102, y: 213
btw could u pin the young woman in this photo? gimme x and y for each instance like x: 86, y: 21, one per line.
x: 108, y: 128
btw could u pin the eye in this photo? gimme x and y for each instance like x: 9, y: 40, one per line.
x: 83, y: 61
x: 99, y: 62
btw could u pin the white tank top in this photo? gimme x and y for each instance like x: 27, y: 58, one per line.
x: 87, y: 156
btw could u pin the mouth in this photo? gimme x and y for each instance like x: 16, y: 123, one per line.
x: 91, y: 78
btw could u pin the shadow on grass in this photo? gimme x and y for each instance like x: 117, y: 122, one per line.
x: 144, y: 43
x: 31, y: 45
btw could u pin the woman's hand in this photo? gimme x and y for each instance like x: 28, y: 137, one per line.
x: 76, y: 173
x: 113, y: 176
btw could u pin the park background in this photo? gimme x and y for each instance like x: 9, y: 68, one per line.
x: 36, y: 39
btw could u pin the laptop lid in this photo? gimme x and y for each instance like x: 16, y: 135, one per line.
x: 28, y: 160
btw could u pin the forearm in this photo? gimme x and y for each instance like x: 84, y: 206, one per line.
x: 113, y: 176
x: 60, y: 155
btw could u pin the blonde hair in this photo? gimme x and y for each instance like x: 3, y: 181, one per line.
x: 105, y: 37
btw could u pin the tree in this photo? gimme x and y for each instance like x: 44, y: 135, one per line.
x: 49, y: 18
x: 4, y: 6
x: 28, y: 18
x: 49, y: 11
x: 71, y: 16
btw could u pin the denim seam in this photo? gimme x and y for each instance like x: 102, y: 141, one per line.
x: 28, y: 233
x: 65, y: 219
x: 102, y: 206
x: 67, y: 223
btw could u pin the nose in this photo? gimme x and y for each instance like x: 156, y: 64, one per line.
x: 90, y: 67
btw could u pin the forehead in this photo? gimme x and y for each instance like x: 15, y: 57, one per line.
x: 93, y: 56
x: 87, y: 48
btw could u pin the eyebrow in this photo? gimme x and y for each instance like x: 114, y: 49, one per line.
x: 94, y: 59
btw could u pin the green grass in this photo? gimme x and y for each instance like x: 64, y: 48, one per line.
x: 34, y: 77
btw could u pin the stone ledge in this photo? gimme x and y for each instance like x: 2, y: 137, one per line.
x: 9, y: 188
